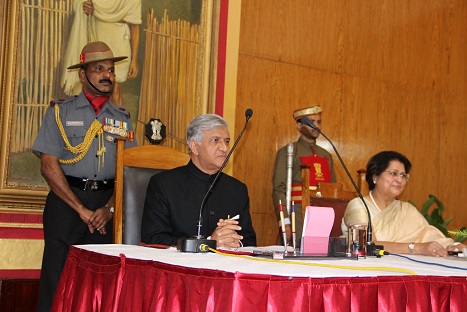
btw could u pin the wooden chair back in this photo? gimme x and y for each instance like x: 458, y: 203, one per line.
x: 361, y: 182
x: 134, y: 167
x: 333, y: 190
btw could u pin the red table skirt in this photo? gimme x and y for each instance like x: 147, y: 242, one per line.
x: 96, y: 282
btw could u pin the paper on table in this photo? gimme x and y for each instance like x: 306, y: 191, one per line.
x: 317, y: 227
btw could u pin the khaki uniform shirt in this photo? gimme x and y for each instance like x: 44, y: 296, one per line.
x: 279, y: 179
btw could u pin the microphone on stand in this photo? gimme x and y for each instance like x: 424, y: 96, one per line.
x: 198, y: 243
x: 371, y: 248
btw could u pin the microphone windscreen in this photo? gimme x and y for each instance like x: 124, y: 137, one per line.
x: 248, y: 113
x: 306, y: 121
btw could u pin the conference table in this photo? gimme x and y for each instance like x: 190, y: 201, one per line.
x: 136, y: 278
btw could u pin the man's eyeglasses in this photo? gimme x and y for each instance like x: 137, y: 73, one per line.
x: 394, y: 174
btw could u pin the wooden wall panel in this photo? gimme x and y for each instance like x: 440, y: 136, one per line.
x: 452, y: 172
x: 389, y: 75
x: 269, y: 30
x: 407, y: 42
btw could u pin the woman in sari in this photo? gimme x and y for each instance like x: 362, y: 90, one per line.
x: 397, y: 225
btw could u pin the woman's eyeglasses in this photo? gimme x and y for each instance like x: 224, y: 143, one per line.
x: 394, y: 174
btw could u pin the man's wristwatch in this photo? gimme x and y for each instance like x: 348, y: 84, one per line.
x: 111, y: 208
x: 411, y: 248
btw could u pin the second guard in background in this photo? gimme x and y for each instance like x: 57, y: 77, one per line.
x: 305, y: 151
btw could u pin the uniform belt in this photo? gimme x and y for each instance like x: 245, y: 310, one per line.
x: 92, y: 185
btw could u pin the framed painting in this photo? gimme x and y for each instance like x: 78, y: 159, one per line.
x: 170, y: 75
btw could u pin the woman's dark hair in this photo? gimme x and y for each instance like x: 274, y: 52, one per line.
x: 380, y: 162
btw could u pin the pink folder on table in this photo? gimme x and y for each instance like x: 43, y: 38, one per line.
x: 317, y: 227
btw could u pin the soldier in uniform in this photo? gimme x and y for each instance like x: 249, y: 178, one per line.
x: 305, y: 151
x: 77, y: 152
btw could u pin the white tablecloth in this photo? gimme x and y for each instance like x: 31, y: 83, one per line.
x: 370, y: 266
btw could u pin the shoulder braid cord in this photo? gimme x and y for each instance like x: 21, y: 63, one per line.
x: 82, y: 149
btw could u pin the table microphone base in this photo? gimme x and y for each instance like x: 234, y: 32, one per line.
x: 196, y: 244
x: 375, y: 250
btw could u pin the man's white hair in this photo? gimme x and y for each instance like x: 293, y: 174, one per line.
x: 202, y: 123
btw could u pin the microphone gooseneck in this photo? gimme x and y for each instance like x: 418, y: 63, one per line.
x: 370, y: 245
x: 248, y: 114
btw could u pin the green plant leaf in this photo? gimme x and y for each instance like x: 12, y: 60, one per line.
x: 427, y: 206
x: 459, y: 235
x: 439, y: 203
x: 435, y: 218
x: 445, y: 223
